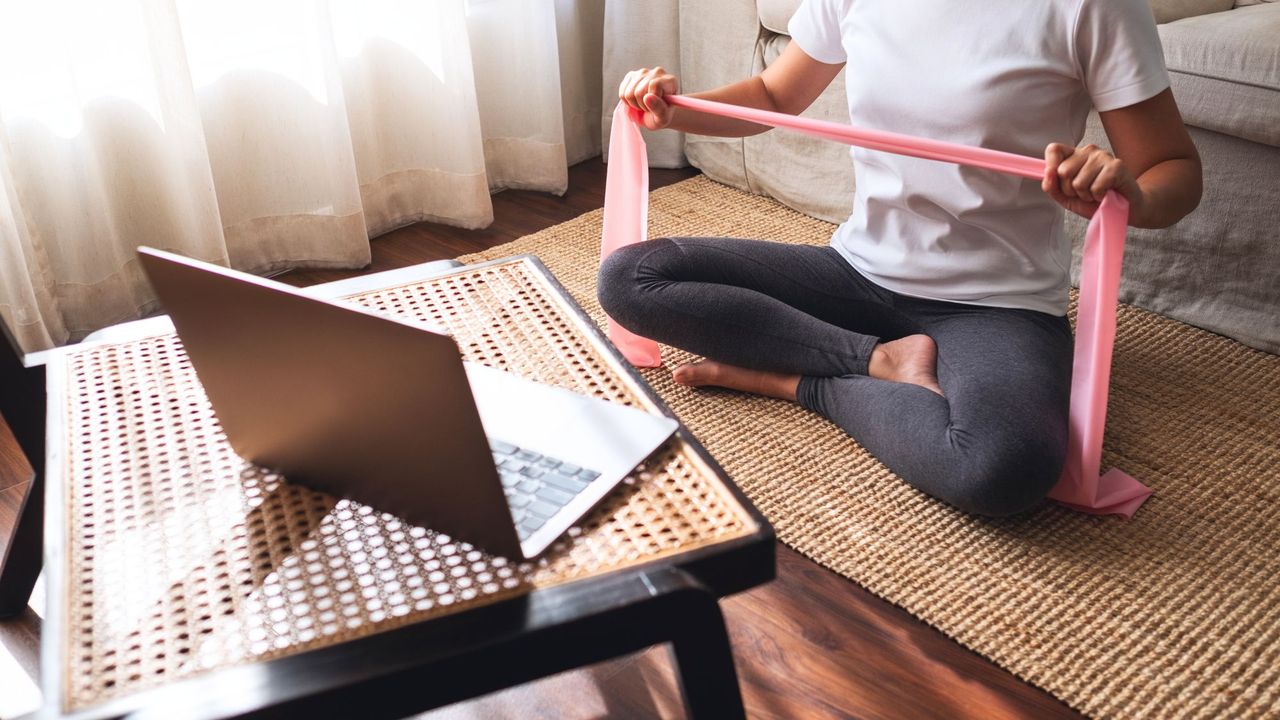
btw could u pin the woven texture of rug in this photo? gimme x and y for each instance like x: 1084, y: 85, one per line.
x: 1175, y: 613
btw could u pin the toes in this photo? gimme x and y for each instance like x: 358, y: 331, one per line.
x: 683, y: 375
x: 694, y: 374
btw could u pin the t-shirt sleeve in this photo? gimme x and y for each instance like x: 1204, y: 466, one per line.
x: 1119, y: 53
x: 816, y: 29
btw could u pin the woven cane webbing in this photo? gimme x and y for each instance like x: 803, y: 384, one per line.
x: 183, y: 558
x: 1175, y: 613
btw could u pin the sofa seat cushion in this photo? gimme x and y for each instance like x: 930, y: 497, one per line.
x: 1225, y: 71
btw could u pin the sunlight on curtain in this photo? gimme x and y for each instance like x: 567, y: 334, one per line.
x: 412, y: 60
x: 275, y: 125
x: 266, y: 135
x: 518, y: 77
x: 100, y: 150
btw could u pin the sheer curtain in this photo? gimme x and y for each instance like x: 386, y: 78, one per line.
x: 267, y: 135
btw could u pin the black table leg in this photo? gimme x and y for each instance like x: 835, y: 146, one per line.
x: 704, y: 661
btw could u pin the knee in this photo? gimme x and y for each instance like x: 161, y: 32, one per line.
x: 622, y: 277
x: 617, y: 283
x: 1009, y: 478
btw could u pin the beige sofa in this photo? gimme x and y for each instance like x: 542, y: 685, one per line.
x: 1218, y: 269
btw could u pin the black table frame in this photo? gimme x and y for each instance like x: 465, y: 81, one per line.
x: 439, y: 661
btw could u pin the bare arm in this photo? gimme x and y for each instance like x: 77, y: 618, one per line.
x: 1155, y: 166
x: 789, y: 85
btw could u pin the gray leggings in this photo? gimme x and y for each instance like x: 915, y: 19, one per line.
x: 994, y: 445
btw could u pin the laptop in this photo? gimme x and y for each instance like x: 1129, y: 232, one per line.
x: 384, y: 410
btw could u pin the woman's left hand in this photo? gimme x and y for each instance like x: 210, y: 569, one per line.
x: 1078, y: 178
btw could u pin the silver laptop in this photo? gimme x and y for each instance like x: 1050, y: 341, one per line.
x: 383, y: 410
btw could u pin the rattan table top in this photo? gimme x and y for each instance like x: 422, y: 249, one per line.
x: 181, y: 558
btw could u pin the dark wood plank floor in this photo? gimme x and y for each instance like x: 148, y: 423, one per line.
x: 809, y: 645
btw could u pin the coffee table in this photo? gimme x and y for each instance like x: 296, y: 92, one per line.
x: 185, y: 582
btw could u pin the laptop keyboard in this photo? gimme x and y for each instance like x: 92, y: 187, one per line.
x: 537, y: 486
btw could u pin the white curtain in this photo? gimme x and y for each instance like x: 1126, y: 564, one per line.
x: 267, y: 135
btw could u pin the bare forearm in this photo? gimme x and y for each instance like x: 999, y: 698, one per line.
x: 1155, y: 165
x: 1170, y: 191
x: 751, y: 92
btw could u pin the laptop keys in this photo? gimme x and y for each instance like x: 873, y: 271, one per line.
x: 569, y: 484
x: 501, y: 448
x: 537, y: 487
x: 556, y: 496
x: 543, y: 509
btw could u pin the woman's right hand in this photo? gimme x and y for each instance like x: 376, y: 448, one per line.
x: 644, y: 90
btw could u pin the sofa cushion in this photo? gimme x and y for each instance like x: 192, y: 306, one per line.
x: 1225, y: 71
x: 775, y: 14
x: 1170, y: 10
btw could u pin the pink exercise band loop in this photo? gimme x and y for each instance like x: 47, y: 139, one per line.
x: 1081, y: 487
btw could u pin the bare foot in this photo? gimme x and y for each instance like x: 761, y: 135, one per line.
x: 912, y: 359
x: 710, y: 372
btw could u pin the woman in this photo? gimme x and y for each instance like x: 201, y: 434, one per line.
x: 933, y: 329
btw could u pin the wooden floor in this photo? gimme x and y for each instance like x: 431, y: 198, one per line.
x: 809, y: 645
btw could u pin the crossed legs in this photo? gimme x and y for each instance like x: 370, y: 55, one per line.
x: 966, y: 403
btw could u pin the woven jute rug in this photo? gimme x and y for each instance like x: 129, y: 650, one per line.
x: 1175, y: 613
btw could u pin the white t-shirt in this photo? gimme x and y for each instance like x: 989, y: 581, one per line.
x: 1011, y: 75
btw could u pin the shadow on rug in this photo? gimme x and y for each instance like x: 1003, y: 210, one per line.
x: 1176, y: 612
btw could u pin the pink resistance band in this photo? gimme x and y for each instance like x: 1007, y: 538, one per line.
x: 626, y: 209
